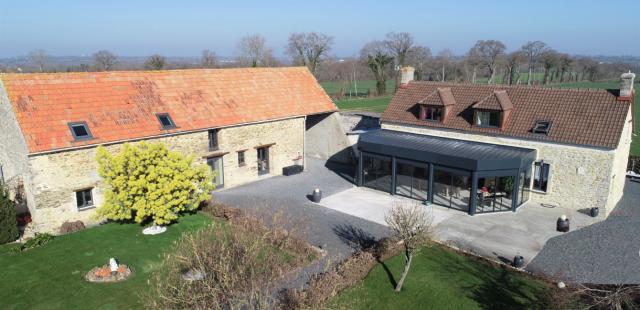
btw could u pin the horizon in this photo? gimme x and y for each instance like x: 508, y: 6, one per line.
x: 176, y: 30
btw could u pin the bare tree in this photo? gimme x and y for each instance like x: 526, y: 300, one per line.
x: 419, y: 57
x: 39, y: 58
x: 399, y: 45
x: 564, y: 62
x: 375, y: 55
x: 412, y: 226
x: 209, y: 59
x: 549, y: 60
x: 473, y: 60
x: 268, y: 60
x: 513, y: 61
x: 489, y: 53
x: 104, y: 60
x: 616, y: 297
x: 155, y: 62
x: 309, y: 49
x: 442, y: 61
x: 252, y: 48
x: 532, y: 51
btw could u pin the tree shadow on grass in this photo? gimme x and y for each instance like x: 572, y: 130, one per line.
x: 360, y: 240
x: 495, y: 287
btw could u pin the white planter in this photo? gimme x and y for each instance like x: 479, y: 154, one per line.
x: 154, y: 230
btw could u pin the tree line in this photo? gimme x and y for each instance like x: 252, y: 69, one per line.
x: 487, y: 61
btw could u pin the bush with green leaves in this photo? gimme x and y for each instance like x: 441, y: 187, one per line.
x: 146, y: 181
x: 38, y: 240
x: 8, y: 225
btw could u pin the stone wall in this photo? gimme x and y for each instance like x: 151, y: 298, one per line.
x: 580, y: 177
x: 13, y: 149
x: 621, y: 158
x: 326, y: 139
x: 56, y: 176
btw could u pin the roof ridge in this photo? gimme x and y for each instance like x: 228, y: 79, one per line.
x: 520, y: 86
x: 150, y: 71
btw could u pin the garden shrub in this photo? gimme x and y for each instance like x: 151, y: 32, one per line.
x: 240, y: 269
x: 70, y: 227
x: 146, y: 181
x: 8, y: 225
x: 38, y: 240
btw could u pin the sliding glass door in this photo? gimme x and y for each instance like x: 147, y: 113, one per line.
x: 412, y: 180
x: 376, y: 172
x: 451, y: 188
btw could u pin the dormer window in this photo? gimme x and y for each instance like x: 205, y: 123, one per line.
x: 430, y: 113
x: 166, y: 121
x: 80, y: 131
x: 541, y: 127
x: 488, y: 118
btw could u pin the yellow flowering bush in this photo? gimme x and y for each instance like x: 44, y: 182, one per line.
x: 147, y: 181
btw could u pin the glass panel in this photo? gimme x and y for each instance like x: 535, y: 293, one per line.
x: 527, y: 185
x: 494, y: 119
x: 263, y: 160
x: 216, y: 166
x: 80, y: 131
x: 79, y: 200
x: 495, y: 194
x: 441, y: 188
x: 412, y: 181
x: 377, y: 173
x: 461, y: 192
x: 88, y: 199
x: 540, y: 176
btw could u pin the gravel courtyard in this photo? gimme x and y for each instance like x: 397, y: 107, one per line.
x: 607, y: 252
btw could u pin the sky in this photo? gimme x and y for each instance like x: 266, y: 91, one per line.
x: 185, y: 28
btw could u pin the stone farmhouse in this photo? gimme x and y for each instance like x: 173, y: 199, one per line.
x: 492, y: 148
x: 244, y: 123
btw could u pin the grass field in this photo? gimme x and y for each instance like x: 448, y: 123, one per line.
x: 334, y: 87
x: 52, y: 276
x: 442, y: 279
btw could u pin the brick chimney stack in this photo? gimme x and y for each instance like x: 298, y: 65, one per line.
x: 406, y: 76
x: 626, y: 86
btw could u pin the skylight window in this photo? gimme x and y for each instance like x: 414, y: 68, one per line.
x: 542, y: 127
x: 80, y: 131
x: 166, y: 121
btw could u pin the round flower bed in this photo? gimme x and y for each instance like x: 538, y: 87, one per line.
x: 103, y: 274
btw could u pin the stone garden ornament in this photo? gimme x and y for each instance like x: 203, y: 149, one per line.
x: 154, y: 230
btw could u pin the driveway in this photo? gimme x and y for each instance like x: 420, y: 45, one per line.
x: 338, y: 233
x: 497, y: 236
x: 607, y: 252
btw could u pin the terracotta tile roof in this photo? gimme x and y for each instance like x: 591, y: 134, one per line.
x: 579, y: 116
x: 123, y: 105
x: 439, y: 97
x: 499, y: 100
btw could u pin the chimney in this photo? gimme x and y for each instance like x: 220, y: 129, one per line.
x: 406, y: 76
x: 626, y: 86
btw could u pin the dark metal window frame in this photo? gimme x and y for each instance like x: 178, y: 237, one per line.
x: 76, y: 137
x: 213, y: 139
x: 489, y: 125
x: 541, y: 127
x: 432, y: 109
x: 241, y: 158
x: 168, y: 117
x: 81, y: 200
x: 545, y: 169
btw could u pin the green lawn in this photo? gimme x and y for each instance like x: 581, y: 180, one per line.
x: 375, y: 104
x: 333, y: 87
x: 52, y: 276
x: 443, y: 279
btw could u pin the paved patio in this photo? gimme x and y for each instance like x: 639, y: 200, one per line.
x: 498, y: 236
